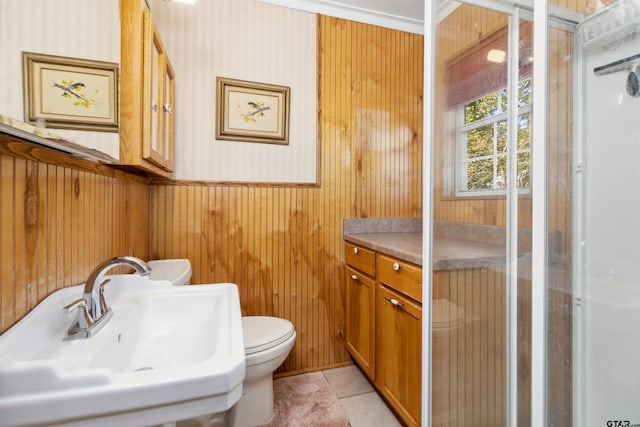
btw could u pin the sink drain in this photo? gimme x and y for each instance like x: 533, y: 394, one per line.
x: 144, y: 368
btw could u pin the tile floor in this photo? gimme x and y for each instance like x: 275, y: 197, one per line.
x: 359, y: 399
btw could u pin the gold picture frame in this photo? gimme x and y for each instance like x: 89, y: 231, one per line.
x: 252, y: 112
x: 70, y: 93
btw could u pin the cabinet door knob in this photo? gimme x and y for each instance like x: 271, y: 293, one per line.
x: 154, y: 107
x: 354, y: 277
x: 355, y: 250
x: 167, y: 108
x: 396, y: 266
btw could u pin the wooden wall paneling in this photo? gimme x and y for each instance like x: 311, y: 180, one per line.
x: 469, y: 362
x: 97, y: 218
x: 444, y: 358
x: 524, y: 344
x: 164, y: 218
x: 30, y: 206
x: 66, y: 206
x: 60, y: 231
x: 472, y: 352
x: 88, y: 219
x: 491, y: 338
x: 51, y: 277
x: 138, y: 236
x: 483, y: 343
x: 197, y: 231
x: 176, y: 230
x: 157, y: 222
x: 58, y: 221
x: 20, y: 279
x: 460, y: 405
x: 6, y: 242
x: 77, y: 224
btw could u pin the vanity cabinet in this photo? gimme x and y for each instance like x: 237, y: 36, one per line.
x: 384, y: 326
x: 399, y: 332
x: 147, y: 93
x: 399, y: 358
x: 360, y: 303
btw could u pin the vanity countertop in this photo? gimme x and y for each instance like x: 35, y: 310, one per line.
x: 448, y: 253
x: 451, y: 251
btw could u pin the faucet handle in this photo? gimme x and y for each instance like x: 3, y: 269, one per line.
x: 103, y: 302
x: 80, y: 302
x: 80, y: 328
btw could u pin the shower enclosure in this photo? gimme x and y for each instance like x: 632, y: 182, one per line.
x: 533, y: 119
x: 608, y: 294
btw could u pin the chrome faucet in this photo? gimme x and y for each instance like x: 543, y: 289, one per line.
x: 92, y: 315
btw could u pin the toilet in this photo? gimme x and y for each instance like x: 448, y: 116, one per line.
x: 267, y: 343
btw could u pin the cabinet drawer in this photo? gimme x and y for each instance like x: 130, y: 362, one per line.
x: 360, y: 258
x: 400, y: 275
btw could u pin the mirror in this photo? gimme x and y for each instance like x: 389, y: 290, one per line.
x: 75, y: 29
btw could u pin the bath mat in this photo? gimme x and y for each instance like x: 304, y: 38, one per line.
x: 306, y: 401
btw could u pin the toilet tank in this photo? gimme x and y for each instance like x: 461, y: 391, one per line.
x: 177, y: 271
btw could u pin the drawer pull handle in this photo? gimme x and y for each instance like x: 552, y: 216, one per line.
x: 400, y: 305
x: 396, y: 266
x: 354, y: 277
x: 395, y: 302
x: 355, y: 250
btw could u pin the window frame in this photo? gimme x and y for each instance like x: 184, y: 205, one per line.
x: 461, y: 159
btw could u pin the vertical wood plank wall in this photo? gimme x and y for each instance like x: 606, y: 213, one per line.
x: 283, y: 245
x: 58, y: 221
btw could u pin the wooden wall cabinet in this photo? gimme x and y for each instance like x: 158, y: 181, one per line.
x: 147, y: 93
x: 384, y: 326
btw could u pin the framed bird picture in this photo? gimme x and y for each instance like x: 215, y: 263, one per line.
x: 252, y: 112
x: 70, y: 93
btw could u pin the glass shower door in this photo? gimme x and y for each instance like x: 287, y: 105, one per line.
x: 481, y: 274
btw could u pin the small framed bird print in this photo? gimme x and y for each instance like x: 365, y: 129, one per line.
x: 70, y: 93
x: 252, y: 112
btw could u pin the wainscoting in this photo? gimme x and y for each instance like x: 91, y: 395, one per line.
x: 60, y: 217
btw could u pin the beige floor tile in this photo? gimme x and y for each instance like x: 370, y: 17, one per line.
x: 347, y: 381
x: 366, y: 410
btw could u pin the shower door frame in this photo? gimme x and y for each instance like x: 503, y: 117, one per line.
x: 540, y: 13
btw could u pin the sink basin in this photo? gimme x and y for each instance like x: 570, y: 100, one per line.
x: 168, y: 353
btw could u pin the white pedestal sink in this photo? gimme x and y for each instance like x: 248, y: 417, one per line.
x: 168, y: 353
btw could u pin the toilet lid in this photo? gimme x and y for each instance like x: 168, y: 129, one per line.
x: 263, y: 332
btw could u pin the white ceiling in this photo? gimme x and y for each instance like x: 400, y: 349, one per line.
x: 405, y: 15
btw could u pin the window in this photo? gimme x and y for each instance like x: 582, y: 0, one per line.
x: 482, y: 142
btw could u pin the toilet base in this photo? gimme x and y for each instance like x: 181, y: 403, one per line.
x: 255, y: 407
